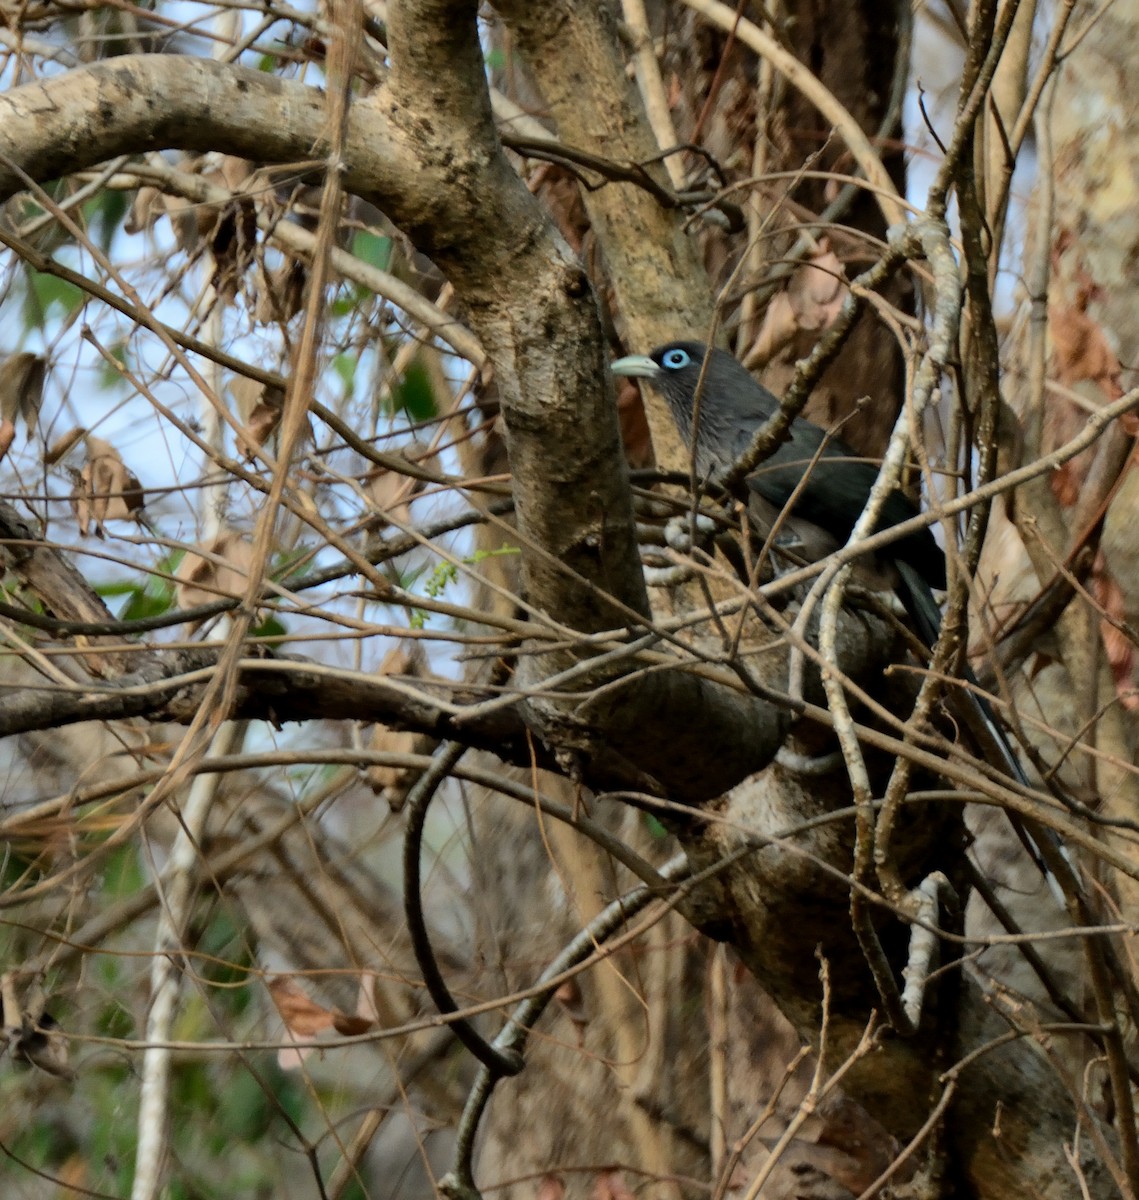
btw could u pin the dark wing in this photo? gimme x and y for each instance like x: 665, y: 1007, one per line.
x: 835, y: 494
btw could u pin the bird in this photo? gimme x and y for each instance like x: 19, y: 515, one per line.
x: 731, y: 409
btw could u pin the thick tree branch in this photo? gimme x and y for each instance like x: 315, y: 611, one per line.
x: 169, y: 686
x: 653, y: 261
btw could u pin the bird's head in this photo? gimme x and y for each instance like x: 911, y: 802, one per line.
x: 673, y: 370
x: 681, y: 370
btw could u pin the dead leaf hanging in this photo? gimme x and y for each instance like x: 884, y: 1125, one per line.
x: 22, y: 388
x: 219, y: 569
x: 305, y: 1019
x: 106, y: 489
x: 259, y: 406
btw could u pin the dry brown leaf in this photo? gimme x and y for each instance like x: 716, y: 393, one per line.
x: 777, y: 331
x: 366, y: 1006
x: 1084, y: 361
x: 247, y: 394
x: 145, y: 209
x: 305, y: 1019
x: 219, y: 568
x: 280, y: 292
x: 817, y: 289
x: 106, y: 489
x: 263, y: 420
x: 1081, y: 351
x: 62, y: 445
x: 394, y: 783
x: 22, y: 387
x: 570, y: 998
x: 150, y: 204
x: 259, y: 407
x: 635, y: 435
x: 7, y: 436
x: 232, y: 172
x: 1066, y: 482
x: 810, y: 303
x: 230, y: 231
x: 391, y: 492
x: 349, y: 1025
x: 74, y: 1176
x: 561, y: 193
x: 1117, y: 645
x: 228, y: 228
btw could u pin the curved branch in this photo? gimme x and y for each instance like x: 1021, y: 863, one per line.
x: 512, y: 1039
x: 499, y: 1060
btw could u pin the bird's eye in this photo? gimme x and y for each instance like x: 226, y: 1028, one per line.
x: 675, y: 359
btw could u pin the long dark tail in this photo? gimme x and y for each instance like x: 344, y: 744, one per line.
x: 925, y: 613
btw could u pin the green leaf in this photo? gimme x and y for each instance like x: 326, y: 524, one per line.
x: 349, y: 298
x: 243, y: 1108
x: 192, y: 1087
x: 114, y: 1020
x: 292, y: 566
x: 45, y: 293
x: 116, y: 587
x: 656, y: 830
x: 149, y: 599
x: 285, y: 1089
x: 122, y: 875
x: 414, y: 393
x: 437, y: 582
x: 372, y: 248
x: 18, y: 869
x: 345, y: 366
x: 48, y: 1141
x: 271, y: 627
x: 443, y: 574
x: 105, y: 213
x: 500, y: 552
